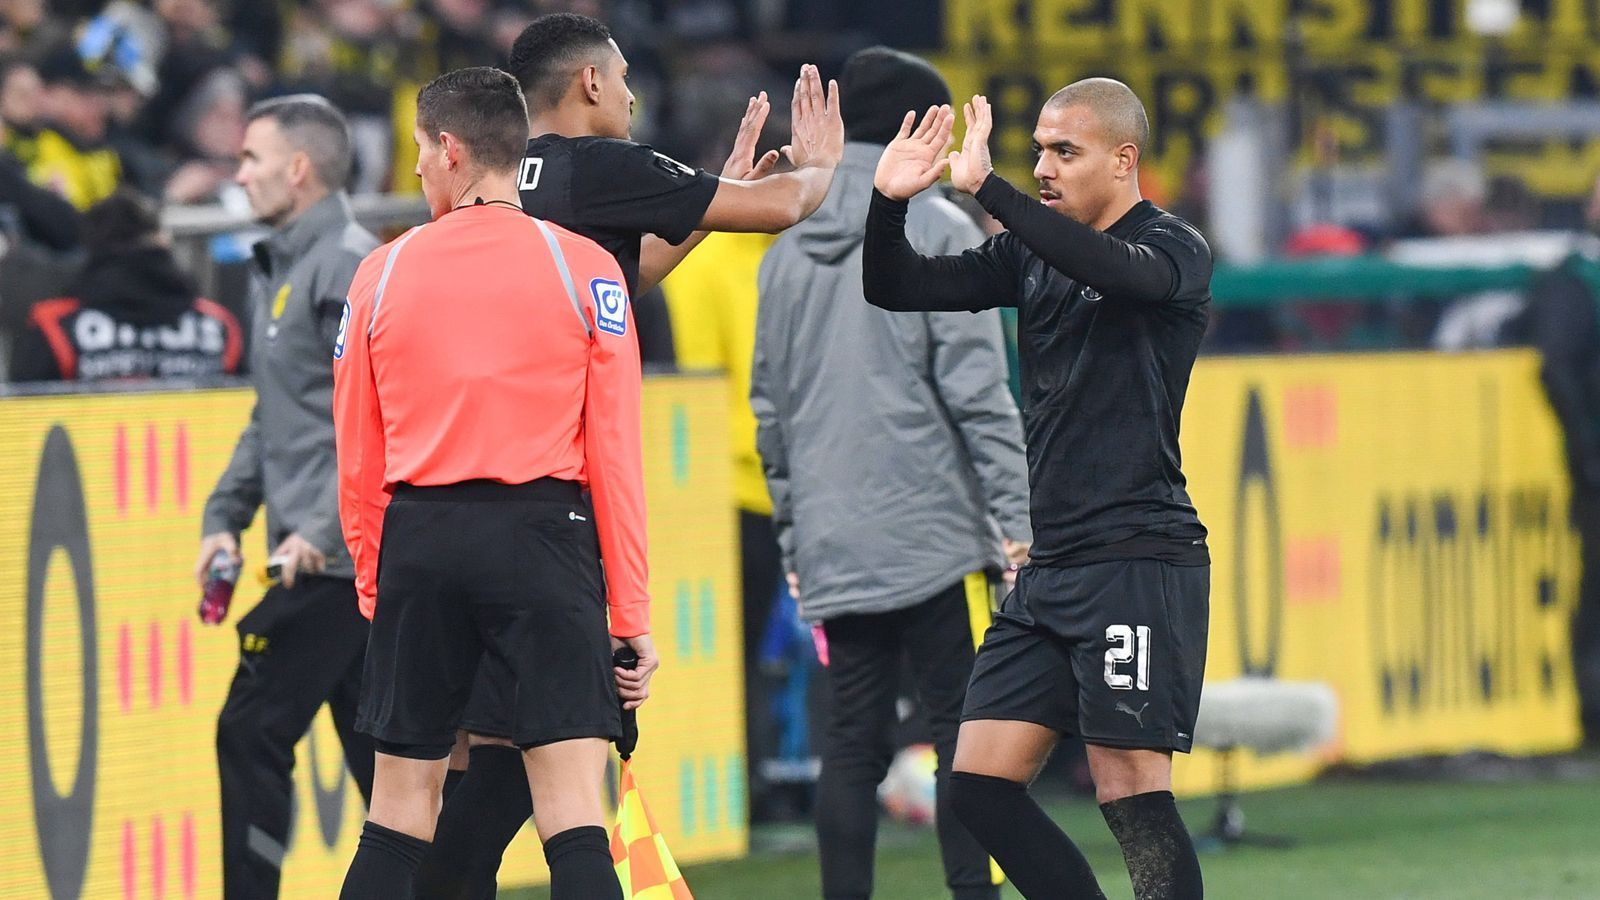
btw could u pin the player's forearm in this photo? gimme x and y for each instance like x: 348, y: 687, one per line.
x: 769, y: 205
x: 1113, y: 266
x: 657, y: 258
x: 895, y: 276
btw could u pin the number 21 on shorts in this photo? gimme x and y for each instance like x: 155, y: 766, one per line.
x: 1128, y: 645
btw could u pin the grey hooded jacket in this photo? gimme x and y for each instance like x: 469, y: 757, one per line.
x: 285, y: 457
x: 891, y: 442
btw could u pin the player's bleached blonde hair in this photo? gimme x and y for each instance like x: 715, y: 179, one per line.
x: 1118, y: 108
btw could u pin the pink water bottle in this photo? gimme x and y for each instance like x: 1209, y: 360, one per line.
x: 221, y: 577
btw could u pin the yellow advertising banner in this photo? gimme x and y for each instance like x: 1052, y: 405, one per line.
x: 110, y: 685
x: 1395, y: 526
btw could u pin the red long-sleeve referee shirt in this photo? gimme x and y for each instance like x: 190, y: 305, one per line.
x: 491, y: 345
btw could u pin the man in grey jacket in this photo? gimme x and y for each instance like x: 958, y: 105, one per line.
x: 303, y: 644
x: 893, y: 451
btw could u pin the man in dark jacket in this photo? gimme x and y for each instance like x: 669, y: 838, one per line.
x: 130, y: 313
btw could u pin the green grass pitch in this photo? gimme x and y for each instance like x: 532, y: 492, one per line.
x: 1358, y: 839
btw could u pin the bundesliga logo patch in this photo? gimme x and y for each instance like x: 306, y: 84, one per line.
x: 611, y: 306
x: 344, y: 328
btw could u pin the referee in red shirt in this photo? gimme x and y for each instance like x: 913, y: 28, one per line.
x: 486, y: 371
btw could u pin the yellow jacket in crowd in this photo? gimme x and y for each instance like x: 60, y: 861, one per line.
x: 84, y: 175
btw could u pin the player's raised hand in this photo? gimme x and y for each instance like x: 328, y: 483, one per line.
x: 915, y: 159
x: 970, y: 165
x: 742, y: 164
x: 817, y: 130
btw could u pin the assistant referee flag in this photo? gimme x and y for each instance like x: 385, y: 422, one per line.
x: 644, y: 864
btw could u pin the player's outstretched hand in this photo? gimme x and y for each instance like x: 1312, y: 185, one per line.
x: 742, y: 164
x: 817, y: 130
x: 915, y: 159
x: 633, y: 685
x: 970, y: 166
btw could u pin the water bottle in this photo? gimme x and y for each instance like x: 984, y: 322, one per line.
x: 221, y: 576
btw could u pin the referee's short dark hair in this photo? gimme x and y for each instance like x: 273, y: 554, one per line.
x: 482, y: 106
x: 315, y: 126
x: 548, y: 51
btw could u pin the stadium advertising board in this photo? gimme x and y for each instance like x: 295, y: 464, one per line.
x: 1342, y: 63
x: 110, y: 685
x: 1396, y: 526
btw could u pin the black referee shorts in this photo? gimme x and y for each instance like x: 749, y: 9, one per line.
x: 505, y: 575
x: 1113, y: 652
x: 491, y: 710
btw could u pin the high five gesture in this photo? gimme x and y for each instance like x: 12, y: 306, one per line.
x: 915, y: 159
x: 970, y: 165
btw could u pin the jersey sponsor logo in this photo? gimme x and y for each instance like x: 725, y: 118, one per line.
x: 344, y: 329
x: 1090, y: 295
x: 611, y: 306
x: 672, y: 166
x: 532, y: 168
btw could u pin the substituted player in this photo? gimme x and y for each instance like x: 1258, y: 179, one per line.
x: 1104, y: 635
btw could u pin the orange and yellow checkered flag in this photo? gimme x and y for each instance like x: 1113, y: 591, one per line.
x: 644, y: 865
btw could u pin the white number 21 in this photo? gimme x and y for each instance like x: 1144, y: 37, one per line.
x: 1123, y: 650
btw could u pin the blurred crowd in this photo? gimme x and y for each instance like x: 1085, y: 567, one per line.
x: 100, y: 99
x: 152, y: 93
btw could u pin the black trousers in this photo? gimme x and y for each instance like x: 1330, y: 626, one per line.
x: 1586, y: 619
x: 762, y: 571
x: 299, y: 649
x: 865, y: 654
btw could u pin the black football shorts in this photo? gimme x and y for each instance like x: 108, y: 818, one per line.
x: 505, y: 575
x: 1113, y: 652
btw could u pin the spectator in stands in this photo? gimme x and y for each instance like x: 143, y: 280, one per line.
x: 21, y: 95
x: 31, y: 213
x: 194, y: 45
x: 69, y: 153
x: 27, y: 25
x: 208, y: 132
x: 1453, y: 195
x: 355, y: 52
x: 130, y: 313
x: 1485, y: 319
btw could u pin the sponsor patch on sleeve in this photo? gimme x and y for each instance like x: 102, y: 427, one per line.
x: 611, y: 305
x: 344, y: 329
x: 673, y: 167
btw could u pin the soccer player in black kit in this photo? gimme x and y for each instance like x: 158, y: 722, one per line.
x: 647, y: 210
x: 1104, y: 635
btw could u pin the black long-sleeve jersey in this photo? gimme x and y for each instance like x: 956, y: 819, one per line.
x: 1109, y: 326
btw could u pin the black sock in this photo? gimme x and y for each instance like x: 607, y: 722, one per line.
x: 385, y: 865
x: 451, y: 779
x: 1033, y: 851
x: 580, y: 865
x: 477, y: 823
x: 1160, y: 855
